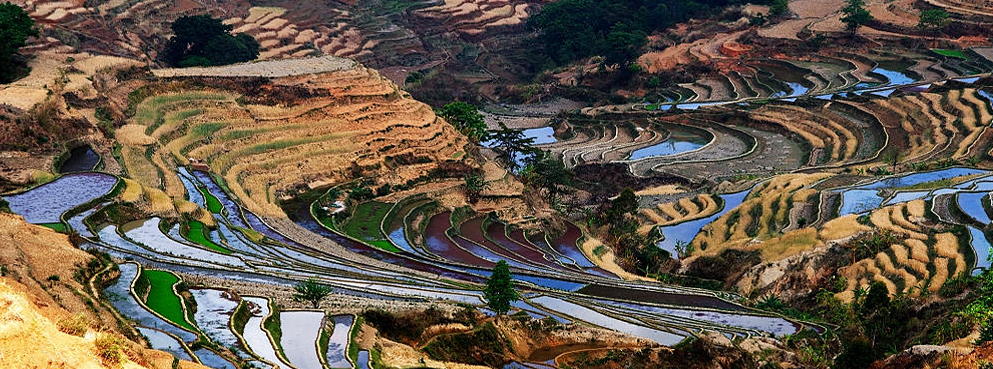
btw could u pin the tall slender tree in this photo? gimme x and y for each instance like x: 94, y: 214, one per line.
x: 15, y: 28
x: 499, y: 291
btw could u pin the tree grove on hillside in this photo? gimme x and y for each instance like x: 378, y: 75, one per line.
x: 202, y: 40
x: 466, y: 118
x: 15, y: 28
x: 615, y: 29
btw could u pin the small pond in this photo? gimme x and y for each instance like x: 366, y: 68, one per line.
x: 679, y: 141
x: 46, y: 203
x: 80, y: 159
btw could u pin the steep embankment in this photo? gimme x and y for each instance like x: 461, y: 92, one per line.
x: 48, y: 315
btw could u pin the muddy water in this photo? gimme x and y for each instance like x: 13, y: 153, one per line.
x: 500, y: 240
x: 80, y: 159
x: 299, y: 340
x: 547, y: 354
x: 438, y: 243
x: 338, y: 342
x: 566, y: 245
x: 46, y: 203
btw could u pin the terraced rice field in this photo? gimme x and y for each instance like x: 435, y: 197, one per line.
x: 549, y: 266
x: 266, y: 148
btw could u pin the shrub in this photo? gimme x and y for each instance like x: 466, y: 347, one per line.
x: 112, y: 350
x: 77, y: 325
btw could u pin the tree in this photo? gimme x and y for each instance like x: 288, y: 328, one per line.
x: 857, y: 354
x: 202, y: 40
x: 546, y: 171
x: 510, y: 144
x: 311, y: 291
x: 15, y: 28
x: 474, y: 186
x: 623, y: 43
x: 499, y: 291
x: 855, y: 15
x: 466, y: 118
x: 933, y: 19
x: 625, y: 203
x: 893, y: 157
x: 778, y: 7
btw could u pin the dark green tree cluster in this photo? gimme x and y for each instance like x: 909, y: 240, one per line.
x: 544, y: 171
x: 202, y: 40
x: 933, y: 19
x: 499, y: 291
x: 511, y: 146
x: 615, y: 29
x: 15, y: 28
x: 855, y: 15
x: 637, y: 252
x: 466, y: 118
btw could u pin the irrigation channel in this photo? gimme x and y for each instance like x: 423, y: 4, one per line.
x: 437, y: 257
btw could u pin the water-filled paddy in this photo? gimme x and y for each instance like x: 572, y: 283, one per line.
x: 159, y: 340
x: 593, y: 317
x: 338, y: 342
x: 981, y: 245
x: 683, y: 233
x: 256, y: 338
x: 299, y: 340
x: 214, y: 310
x: 119, y: 295
x: 680, y: 140
x: 46, y: 203
x: 146, y: 232
x: 894, y: 77
x: 541, y: 135
x: 163, y: 300
x: 971, y: 204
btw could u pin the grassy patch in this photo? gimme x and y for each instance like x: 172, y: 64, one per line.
x: 195, y: 232
x: 58, y: 227
x: 958, y: 54
x: 240, y: 317
x: 212, y: 203
x: 273, y: 325
x: 207, y: 129
x: 353, y: 346
x: 364, y: 224
x: 163, y: 300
